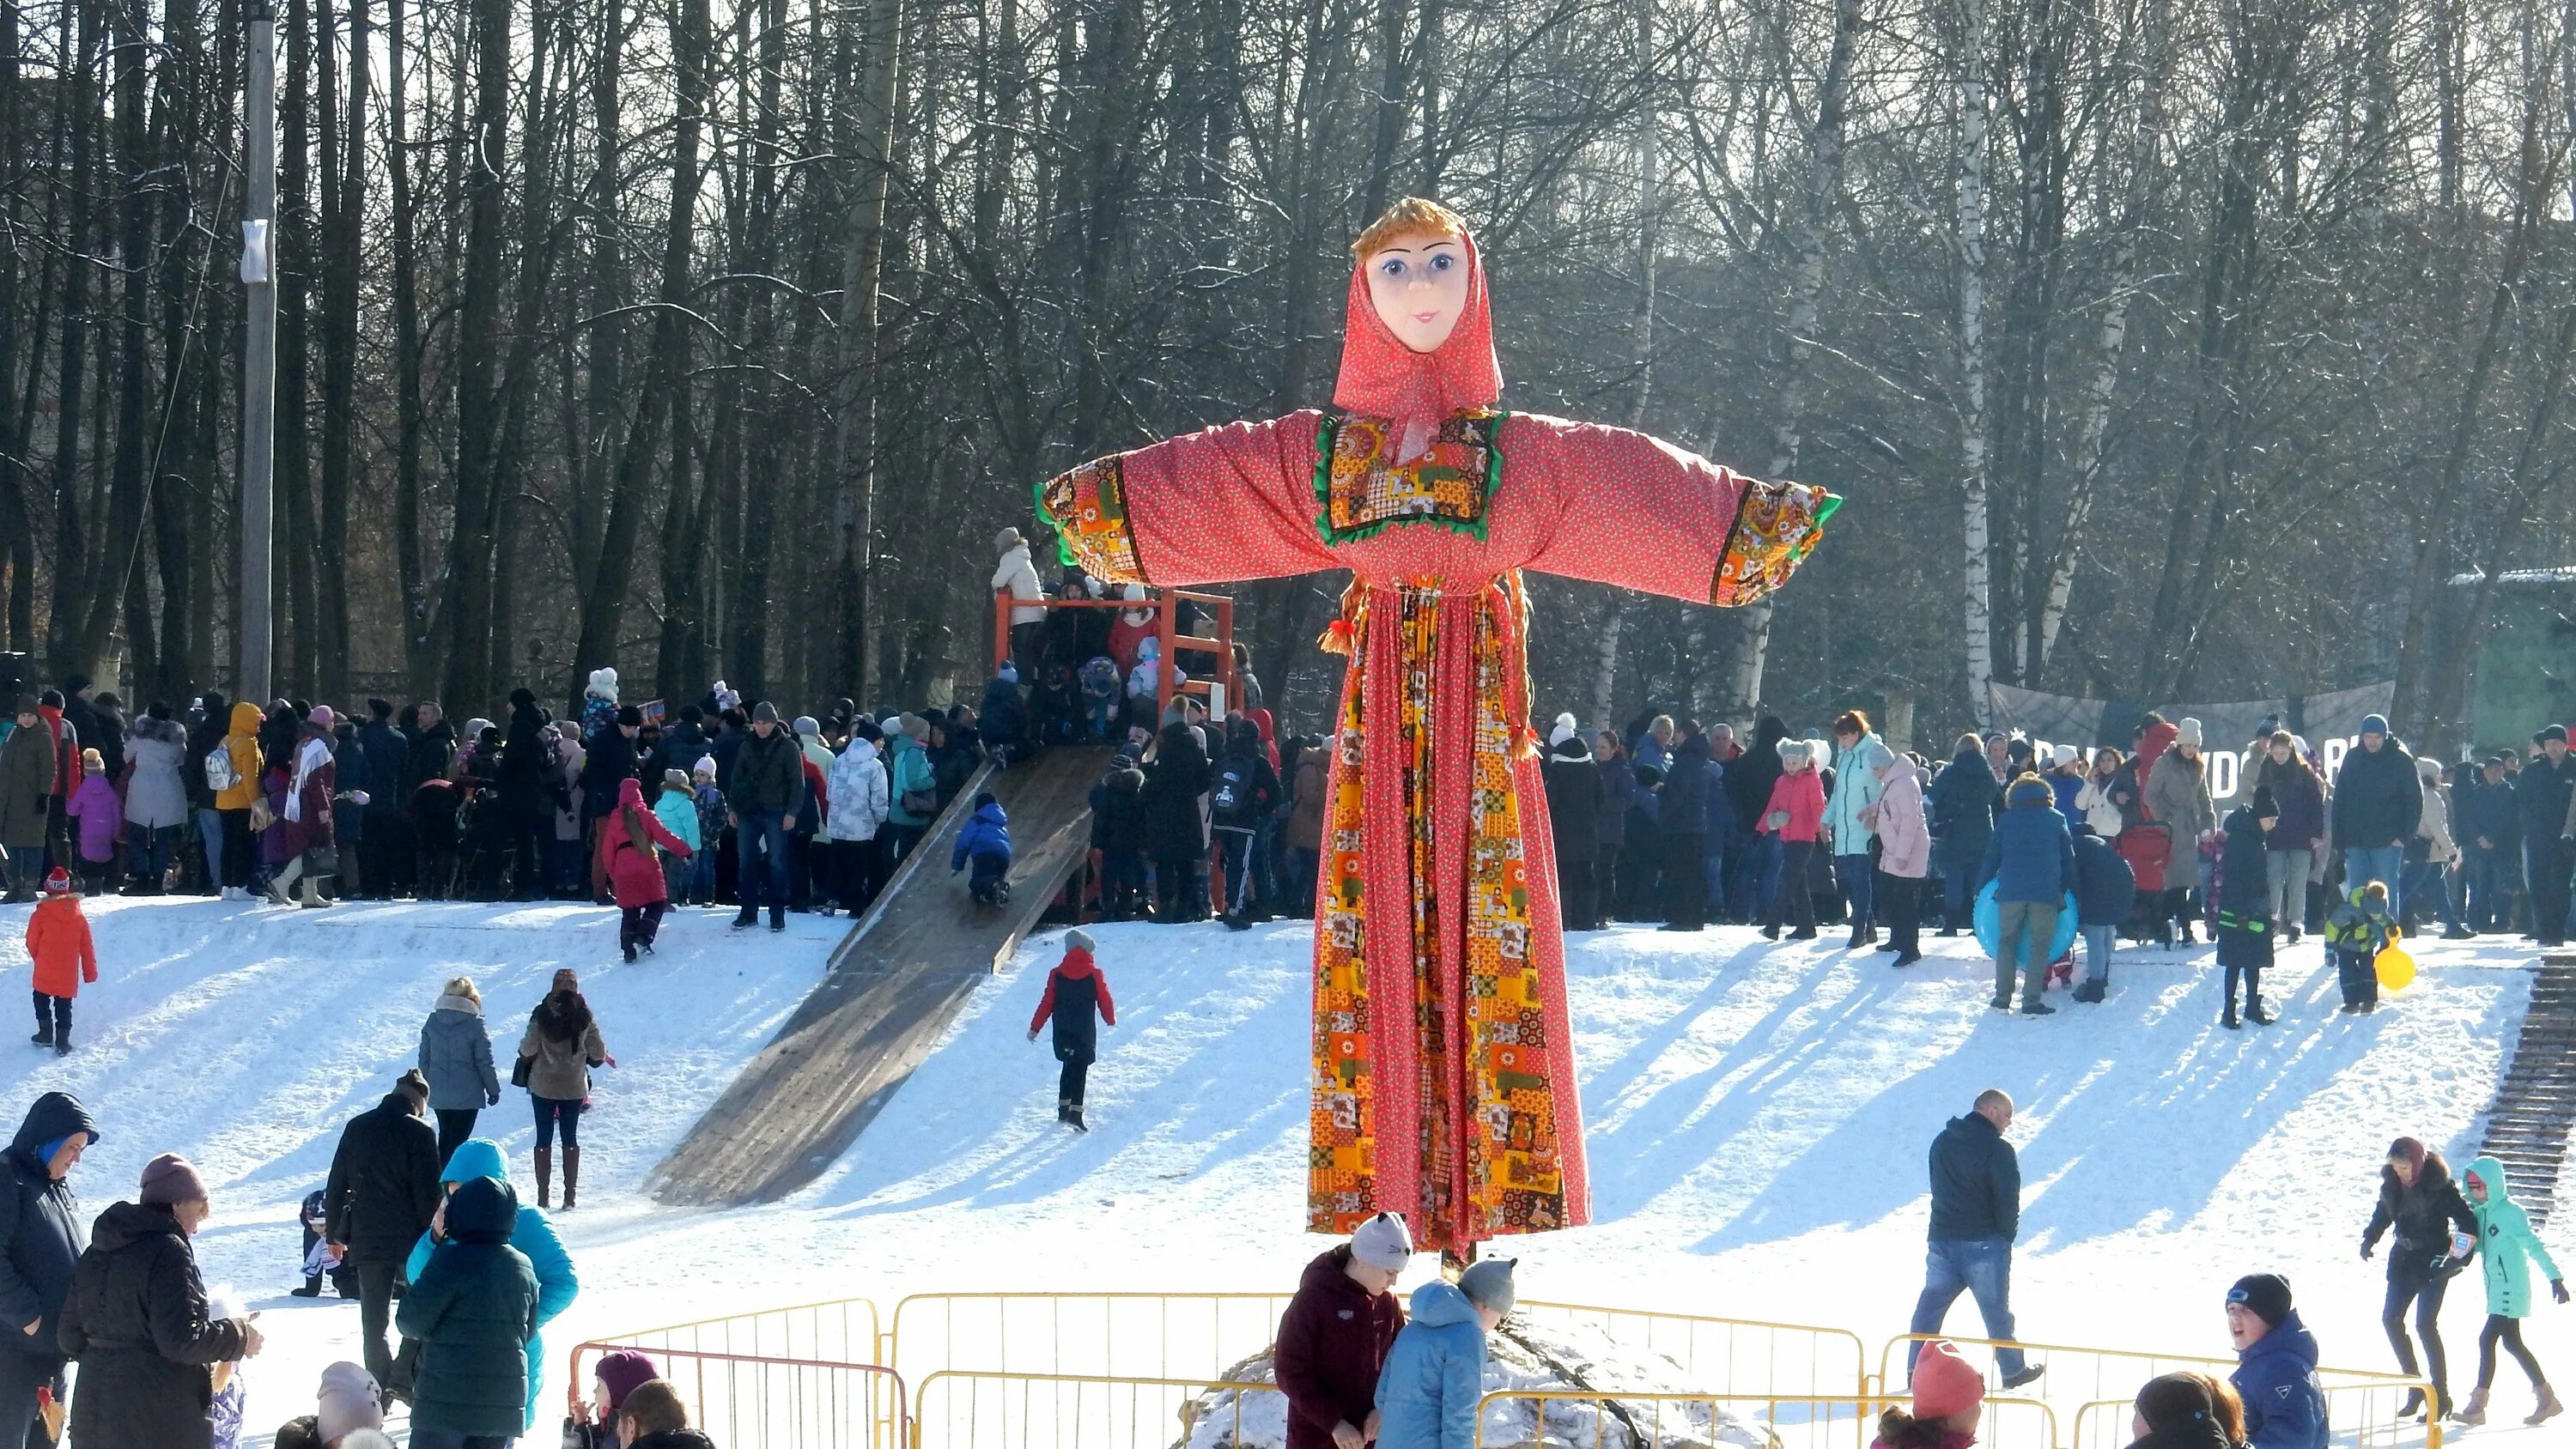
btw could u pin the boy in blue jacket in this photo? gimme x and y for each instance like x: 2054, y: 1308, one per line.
x: 985, y: 840
x: 2106, y: 890
x: 2031, y: 860
x: 2276, y: 1366
x: 1435, y: 1374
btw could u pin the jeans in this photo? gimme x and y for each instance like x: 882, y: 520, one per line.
x: 2545, y: 878
x: 1789, y: 891
x: 554, y: 1111
x: 2386, y: 863
x: 701, y: 868
x: 2427, y: 1298
x: 2487, y: 881
x: 1757, y: 875
x: 1983, y: 1268
x: 210, y: 833
x: 763, y: 861
x: 152, y: 851
x: 1855, y: 874
x: 2099, y: 943
x: 2427, y: 882
x: 2287, y: 886
x: 2027, y: 930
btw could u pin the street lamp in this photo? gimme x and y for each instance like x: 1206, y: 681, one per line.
x: 255, y: 634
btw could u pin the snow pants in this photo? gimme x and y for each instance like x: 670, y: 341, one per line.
x: 53, y: 1023
x: 1072, y: 1080
x: 2357, y: 975
x: 639, y: 925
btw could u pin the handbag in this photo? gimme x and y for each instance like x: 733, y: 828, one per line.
x: 920, y: 802
x: 322, y: 860
x: 519, y: 1071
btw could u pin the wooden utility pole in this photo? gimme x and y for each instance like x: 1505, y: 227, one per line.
x: 254, y: 638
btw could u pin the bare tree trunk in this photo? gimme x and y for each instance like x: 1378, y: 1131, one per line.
x: 1977, y: 622
x: 410, y: 405
x: 468, y: 684
x: 854, y: 469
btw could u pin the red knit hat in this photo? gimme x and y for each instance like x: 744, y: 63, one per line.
x: 58, y: 882
x: 1945, y: 1385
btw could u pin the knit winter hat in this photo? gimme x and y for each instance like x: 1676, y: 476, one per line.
x: 2064, y: 755
x: 1077, y: 939
x: 1488, y: 1284
x: 2188, y: 733
x: 675, y: 779
x: 2556, y: 732
x: 603, y: 684
x: 706, y: 766
x: 629, y: 717
x: 806, y: 724
x: 2428, y: 767
x: 348, y: 1402
x: 1383, y: 1242
x: 1945, y: 1386
x: 1006, y: 540
x: 93, y: 762
x: 1566, y: 729
x: 566, y: 980
x: 2265, y: 1295
x: 2174, y: 1398
x: 412, y: 1084
x: 58, y: 882
x: 2263, y: 804
x: 2377, y: 724
x: 169, y: 1179
x: 624, y: 1372
x: 764, y: 713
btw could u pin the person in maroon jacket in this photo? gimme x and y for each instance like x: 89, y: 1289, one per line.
x: 1335, y: 1336
x: 1075, y: 990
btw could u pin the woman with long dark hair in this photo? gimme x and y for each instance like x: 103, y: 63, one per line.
x: 2418, y: 1198
x: 2301, y: 833
x: 561, y: 1045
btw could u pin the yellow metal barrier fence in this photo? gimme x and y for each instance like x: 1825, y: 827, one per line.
x: 841, y: 1330
x: 1186, y: 1335
x: 2362, y: 1404
x: 763, y: 1399
x: 965, y: 1409
x: 1611, y: 1419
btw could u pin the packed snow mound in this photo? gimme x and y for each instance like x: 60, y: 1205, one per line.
x: 1578, y: 1357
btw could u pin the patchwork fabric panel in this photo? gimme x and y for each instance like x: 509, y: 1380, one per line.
x: 1776, y: 527
x: 1087, y: 507
x: 1363, y: 490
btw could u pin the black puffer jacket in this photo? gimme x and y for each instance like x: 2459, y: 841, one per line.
x: 41, y: 1232
x: 2423, y: 1215
x: 2378, y: 798
x: 432, y: 754
x: 1118, y: 812
x: 768, y: 774
x: 1750, y: 775
x: 1574, y: 801
x: 1686, y: 789
x: 139, y: 1326
x: 1174, y: 828
x: 384, y: 1182
x: 473, y: 1311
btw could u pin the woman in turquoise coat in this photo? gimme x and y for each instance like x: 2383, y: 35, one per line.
x: 2506, y: 1249
x: 533, y: 1235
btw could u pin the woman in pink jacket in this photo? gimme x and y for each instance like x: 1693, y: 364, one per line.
x: 1904, y: 855
x: 1797, y: 808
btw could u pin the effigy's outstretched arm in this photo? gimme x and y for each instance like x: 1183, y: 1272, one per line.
x: 1218, y: 506
x: 1637, y: 512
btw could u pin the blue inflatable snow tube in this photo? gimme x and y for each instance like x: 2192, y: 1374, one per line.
x: 1989, y: 920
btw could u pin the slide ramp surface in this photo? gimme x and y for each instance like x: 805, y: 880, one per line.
x: 892, y: 990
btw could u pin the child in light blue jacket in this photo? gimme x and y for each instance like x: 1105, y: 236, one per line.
x: 1435, y: 1374
x: 678, y: 811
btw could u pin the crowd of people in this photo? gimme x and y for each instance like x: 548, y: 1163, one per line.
x: 421, y: 1224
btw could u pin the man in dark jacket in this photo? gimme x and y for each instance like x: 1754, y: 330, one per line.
x: 1242, y: 798
x: 2490, y: 839
x: 1976, y: 1214
x: 1574, y: 823
x: 383, y: 759
x: 381, y: 1193
x: 683, y: 743
x: 473, y: 1311
x: 204, y: 738
x: 526, y: 789
x: 41, y: 1239
x: 431, y: 743
x: 1118, y: 833
x: 1334, y: 1337
x: 138, y: 1321
x: 768, y: 781
x: 2540, y: 797
x: 1747, y: 782
x: 2378, y: 802
x: 1685, y: 818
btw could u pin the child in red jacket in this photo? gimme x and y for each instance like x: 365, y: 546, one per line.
x: 1075, y: 990
x: 1797, y: 808
x: 626, y: 840
x: 58, y: 939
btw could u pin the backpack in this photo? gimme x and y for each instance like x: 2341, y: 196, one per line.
x: 1233, y: 797
x: 220, y: 774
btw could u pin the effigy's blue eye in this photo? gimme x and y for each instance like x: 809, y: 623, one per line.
x: 1443, y: 261
x: 1392, y: 266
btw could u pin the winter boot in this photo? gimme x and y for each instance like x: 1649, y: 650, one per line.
x: 2037, y: 1008
x: 2091, y: 991
x: 572, y: 1175
x: 2255, y: 1013
x: 44, y: 1035
x: 1855, y: 943
x: 2474, y: 1412
x: 545, y: 1177
x: 312, y: 1287
x: 1073, y: 1118
x: 1906, y: 958
x: 2549, y: 1408
x: 63, y: 1043
x: 2227, y: 1019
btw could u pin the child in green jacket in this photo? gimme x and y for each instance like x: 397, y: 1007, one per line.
x: 2505, y: 1239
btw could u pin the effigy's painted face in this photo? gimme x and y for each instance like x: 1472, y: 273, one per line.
x: 1419, y: 286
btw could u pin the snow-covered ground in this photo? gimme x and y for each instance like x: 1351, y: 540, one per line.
x: 1758, y: 1117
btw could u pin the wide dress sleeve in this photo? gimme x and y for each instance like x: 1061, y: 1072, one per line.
x: 1638, y: 513
x: 1217, y: 506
